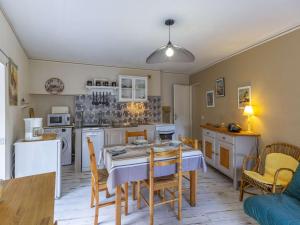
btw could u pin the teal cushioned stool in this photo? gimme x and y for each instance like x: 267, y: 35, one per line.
x: 277, y: 209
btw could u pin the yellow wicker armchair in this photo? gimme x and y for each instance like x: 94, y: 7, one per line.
x: 272, y: 170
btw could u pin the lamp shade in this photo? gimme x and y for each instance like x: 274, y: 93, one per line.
x: 178, y: 54
x: 248, y: 111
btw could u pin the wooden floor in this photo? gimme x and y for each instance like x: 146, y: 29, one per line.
x: 217, y: 203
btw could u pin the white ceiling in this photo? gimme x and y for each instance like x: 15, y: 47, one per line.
x: 124, y: 33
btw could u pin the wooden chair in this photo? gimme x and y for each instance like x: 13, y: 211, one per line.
x: 160, y: 159
x: 129, y: 134
x: 193, y: 143
x: 273, y: 169
x: 98, y: 184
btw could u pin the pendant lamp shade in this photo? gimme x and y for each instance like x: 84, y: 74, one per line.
x: 170, y: 52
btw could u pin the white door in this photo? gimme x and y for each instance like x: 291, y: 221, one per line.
x: 182, y: 118
x: 2, y: 121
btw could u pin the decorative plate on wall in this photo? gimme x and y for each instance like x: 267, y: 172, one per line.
x: 54, y: 86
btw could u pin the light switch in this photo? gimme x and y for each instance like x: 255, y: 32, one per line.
x: 202, y: 117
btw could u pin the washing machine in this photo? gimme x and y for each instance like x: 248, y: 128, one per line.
x: 65, y: 134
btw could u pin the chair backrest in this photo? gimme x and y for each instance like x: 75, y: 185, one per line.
x: 93, y: 164
x: 166, y: 158
x: 189, y: 141
x: 129, y: 134
x: 275, y: 161
x: 283, y: 148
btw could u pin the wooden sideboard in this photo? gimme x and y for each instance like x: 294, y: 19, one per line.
x: 28, y: 200
x: 226, y: 150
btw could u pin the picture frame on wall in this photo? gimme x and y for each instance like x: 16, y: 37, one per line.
x: 220, y: 87
x: 210, y: 99
x: 244, y: 96
x: 13, y: 83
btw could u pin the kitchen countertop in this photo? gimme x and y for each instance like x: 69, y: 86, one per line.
x: 52, y: 127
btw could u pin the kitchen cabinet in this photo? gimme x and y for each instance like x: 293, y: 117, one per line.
x: 97, y: 137
x: 133, y: 88
x: 208, y: 149
x: 110, y: 136
x: 114, y: 136
x: 225, y: 151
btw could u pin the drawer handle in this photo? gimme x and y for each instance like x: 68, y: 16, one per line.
x: 223, y: 138
x: 207, y: 132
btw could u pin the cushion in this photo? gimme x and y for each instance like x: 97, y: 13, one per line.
x: 279, y: 209
x: 266, y: 178
x: 294, y: 187
x: 275, y: 161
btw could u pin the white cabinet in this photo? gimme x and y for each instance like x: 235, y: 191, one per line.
x: 114, y: 136
x: 133, y: 88
x: 97, y: 137
x: 224, y: 157
x: 226, y: 152
x: 208, y: 149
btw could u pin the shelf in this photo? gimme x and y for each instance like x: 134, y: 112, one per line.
x: 102, y: 87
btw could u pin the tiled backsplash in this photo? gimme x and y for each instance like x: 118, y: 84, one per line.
x: 116, y: 111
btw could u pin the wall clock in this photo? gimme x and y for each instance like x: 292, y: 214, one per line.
x: 54, y: 86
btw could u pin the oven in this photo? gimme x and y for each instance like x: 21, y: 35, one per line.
x: 166, y: 132
x: 59, y: 119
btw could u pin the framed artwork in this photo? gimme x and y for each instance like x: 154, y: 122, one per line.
x: 54, y: 86
x: 220, y: 87
x: 210, y: 99
x: 13, y: 83
x: 244, y: 96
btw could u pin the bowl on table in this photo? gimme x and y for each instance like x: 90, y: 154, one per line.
x: 140, y: 142
x: 175, y: 143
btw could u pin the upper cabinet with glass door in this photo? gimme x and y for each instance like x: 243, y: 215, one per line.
x: 133, y: 88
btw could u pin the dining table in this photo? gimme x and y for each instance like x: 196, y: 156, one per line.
x: 28, y: 200
x: 130, y: 162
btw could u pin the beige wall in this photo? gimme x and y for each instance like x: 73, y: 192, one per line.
x: 42, y: 104
x: 273, y: 71
x: 14, y: 126
x: 167, y: 82
x: 75, y: 76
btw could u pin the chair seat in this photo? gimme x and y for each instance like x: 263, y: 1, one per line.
x: 163, y: 182
x: 266, y: 179
x: 102, y: 176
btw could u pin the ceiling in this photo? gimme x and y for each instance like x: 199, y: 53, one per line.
x: 123, y: 33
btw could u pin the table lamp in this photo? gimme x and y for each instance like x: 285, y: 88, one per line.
x: 248, y: 111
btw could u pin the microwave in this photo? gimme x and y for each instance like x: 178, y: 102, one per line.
x: 59, y: 119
